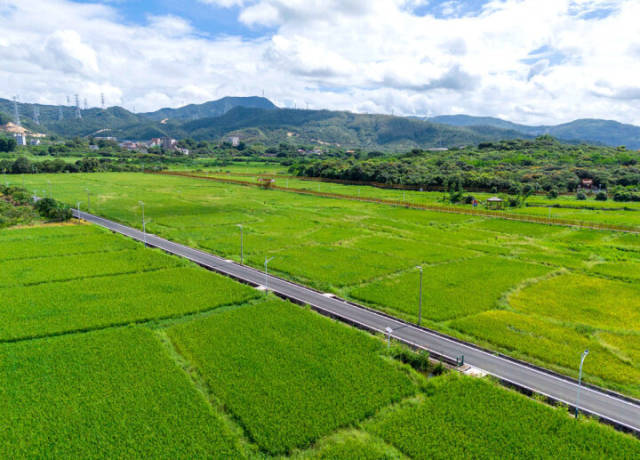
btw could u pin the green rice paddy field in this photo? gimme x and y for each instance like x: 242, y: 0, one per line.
x: 589, y: 211
x: 537, y: 292
x: 153, y: 357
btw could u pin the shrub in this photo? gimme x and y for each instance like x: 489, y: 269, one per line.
x: 553, y: 194
x: 581, y: 196
x: 601, y: 196
x: 514, y: 201
x: 418, y: 360
x: 52, y: 209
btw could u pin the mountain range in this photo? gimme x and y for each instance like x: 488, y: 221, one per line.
x: 256, y: 119
x: 606, y: 132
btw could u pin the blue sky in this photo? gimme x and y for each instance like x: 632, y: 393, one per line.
x: 208, y: 19
x: 529, y: 61
x: 215, y: 20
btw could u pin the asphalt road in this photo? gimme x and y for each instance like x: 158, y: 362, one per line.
x: 625, y: 413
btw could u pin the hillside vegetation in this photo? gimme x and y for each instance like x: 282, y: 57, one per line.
x: 542, y: 164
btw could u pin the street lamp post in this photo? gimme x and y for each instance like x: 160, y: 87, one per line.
x: 144, y: 224
x: 88, y: 200
x: 241, y: 244
x: 584, y: 355
x: 266, y: 274
x: 389, y: 331
x: 420, y: 298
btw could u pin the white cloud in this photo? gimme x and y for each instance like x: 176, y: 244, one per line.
x: 363, y: 55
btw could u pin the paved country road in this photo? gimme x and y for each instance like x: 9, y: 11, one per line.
x: 622, y: 411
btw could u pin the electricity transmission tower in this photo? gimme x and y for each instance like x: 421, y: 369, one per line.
x: 78, y: 113
x: 16, y: 112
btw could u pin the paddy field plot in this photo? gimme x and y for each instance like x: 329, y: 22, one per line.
x: 463, y: 417
x: 583, y: 300
x: 450, y: 290
x: 288, y: 375
x: 54, y: 293
x: 105, y: 394
x: 368, y: 253
x: 16, y: 244
x: 547, y: 340
x: 53, y: 308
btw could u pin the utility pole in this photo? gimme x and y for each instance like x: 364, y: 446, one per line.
x: 144, y: 225
x: 88, y: 201
x: 420, y: 299
x: 241, y: 244
x: 584, y: 355
x: 266, y: 274
x: 389, y: 331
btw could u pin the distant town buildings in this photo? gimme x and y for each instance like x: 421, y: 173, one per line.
x: 129, y: 145
x: 34, y: 141
x: 234, y: 141
x: 168, y: 143
x: 21, y: 139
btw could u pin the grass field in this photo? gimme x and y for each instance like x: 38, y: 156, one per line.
x: 368, y: 252
x: 245, y: 378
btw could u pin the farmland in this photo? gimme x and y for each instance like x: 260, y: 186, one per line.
x: 216, y: 371
x: 105, y: 394
x: 269, y: 383
x: 462, y: 418
x: 473, y: 266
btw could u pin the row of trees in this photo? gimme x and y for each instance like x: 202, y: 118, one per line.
x: 7, y: 144
x: 23, y: 165
x: 543, y: 164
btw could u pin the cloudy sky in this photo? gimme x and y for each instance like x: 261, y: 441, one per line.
x: 530, y: 61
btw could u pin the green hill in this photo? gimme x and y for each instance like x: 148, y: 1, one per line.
x: 604, y: 132
x: 209, y: 109
x: 343, y: 129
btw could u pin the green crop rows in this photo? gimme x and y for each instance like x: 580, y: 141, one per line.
x: 369, y: 253
x: 53, y: 294
x: 106, y: 394
x: 465, y: 418
x: 212, y: 371
x: 300, y: 377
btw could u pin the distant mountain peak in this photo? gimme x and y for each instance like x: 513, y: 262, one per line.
x: 210, y: 108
